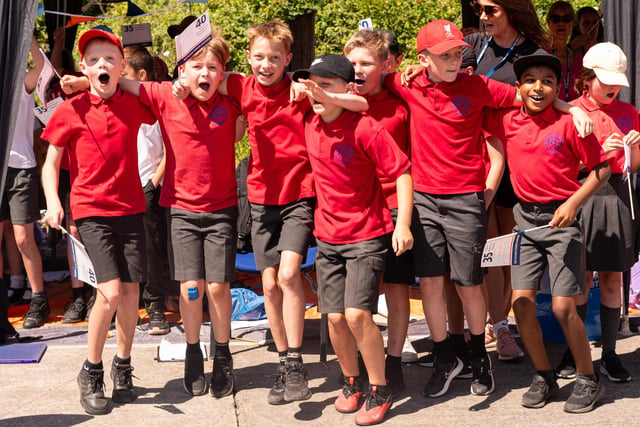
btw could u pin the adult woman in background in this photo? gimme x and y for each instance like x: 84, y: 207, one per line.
x: 587, y: 30
x: 561, y: 18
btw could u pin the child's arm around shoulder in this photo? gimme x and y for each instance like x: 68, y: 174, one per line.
x: 581, y: 120
x: 402, y: 239
x: 348, y: 101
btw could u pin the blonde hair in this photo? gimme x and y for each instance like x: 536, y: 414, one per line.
x: 374, y: 41
x: 217, y: 45
x: 274, y: 30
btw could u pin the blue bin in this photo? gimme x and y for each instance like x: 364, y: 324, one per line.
x: 551, y: 329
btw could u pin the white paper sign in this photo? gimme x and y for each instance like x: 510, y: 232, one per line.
x: 44, y: 113
x: 137, y: 34
x: 627, y: 176
x: 193, y: 38
x: 365, y: 24
x: 504, y: 250
x: 44, y: 79
x: 83, y: 269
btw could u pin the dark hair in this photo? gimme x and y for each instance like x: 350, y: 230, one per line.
x: 575, y: 32
x: 469, y: 58
x: 523, y: 18
x: 139, y: 58
x: 393, y: 45
x: 586, y: 76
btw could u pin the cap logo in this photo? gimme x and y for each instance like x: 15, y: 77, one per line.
x: 448, y: 33
x: 317, y: 61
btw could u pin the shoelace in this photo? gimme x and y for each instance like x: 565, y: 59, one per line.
x: 156, y: 316
x: 374, y: 399
x: 295, y: 374
x: 35, y: 307
x: 124, y: 376
x: 280, y: 381
x: 96, y: 380
x: 349, y: 390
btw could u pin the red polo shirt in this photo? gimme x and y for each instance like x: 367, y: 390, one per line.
x: 100, y: 137
x: 279, y: 169
x: 199, y: 142
x: 345, y: 156
x: 543, y: 152
x: 392, y: 113
x: 446, y: 141
x: 617, y: 117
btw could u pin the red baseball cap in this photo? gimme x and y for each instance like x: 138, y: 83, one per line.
x: 440, y: 36
x: 97, y: 33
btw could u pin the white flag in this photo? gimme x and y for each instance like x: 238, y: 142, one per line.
x: 83, y: 269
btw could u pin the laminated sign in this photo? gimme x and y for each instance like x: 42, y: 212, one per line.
x: 83, y: 269
x: 504, y: 250
x: 193, y: 38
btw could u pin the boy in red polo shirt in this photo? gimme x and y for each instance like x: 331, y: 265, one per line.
x: 534, y: 136
x: 367, y: 50
x: 98, y: 129
x: 352, y: 226
x: 450, y: 231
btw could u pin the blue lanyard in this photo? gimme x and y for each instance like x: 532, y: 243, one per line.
x: 504, y: 58
x: 566, y: 78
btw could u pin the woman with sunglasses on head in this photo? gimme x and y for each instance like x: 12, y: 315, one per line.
x: 587, y: 30
x: 560, y: 19
x: 511, y: 30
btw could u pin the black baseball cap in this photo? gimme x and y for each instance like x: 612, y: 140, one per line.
x: 175, y: 30
x: 523, y: 63
x: 328, y: 66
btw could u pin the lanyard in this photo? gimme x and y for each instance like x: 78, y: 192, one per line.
x: 565, y: 77
x: 504, y: 58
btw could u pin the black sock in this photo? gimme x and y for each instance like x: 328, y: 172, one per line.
x: 88, y: 365
x: 77, y: 293
x: 193, y: 348
x: 582, y: 311
x: 120, y: 362
x: 459, y: 346
x: 609, y: 323
x: 282, y: 357
x: 444, y: 351
x: 393, y: 361
x: 222, y: 350
x: 39, y: 295
x: 294, y: 354
x: 549, y: 376
x: 476, y: 346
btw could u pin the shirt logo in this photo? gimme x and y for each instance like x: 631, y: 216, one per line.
x: 625, y: 124
x: 343, y: 154
x: 219, y: 115
x: 462, y: 104
x: 552, y: 143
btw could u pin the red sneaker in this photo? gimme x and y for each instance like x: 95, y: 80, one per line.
x: 349, y: 397
x: 375, y: 407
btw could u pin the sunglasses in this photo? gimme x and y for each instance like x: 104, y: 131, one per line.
x: 490, y: 11
x: 555, y: 19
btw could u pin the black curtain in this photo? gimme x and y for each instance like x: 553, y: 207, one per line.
x: 621, y: 18
x: 17, y: 20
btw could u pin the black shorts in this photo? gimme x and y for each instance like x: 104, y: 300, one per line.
x: 64, y: 192
x: 505, y: 196
x: 560, y: 249
x: 449, y: 233
x: 116, y: 246
x: 610, y: 235
x: 20, y: 202
x: 349, y: 274
x: 398, y: 269
x: 203, y: 244
x: 277, y: 228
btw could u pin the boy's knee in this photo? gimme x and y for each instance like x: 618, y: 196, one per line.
x: 357, y: 318
x: 288, y: 276
x: 335, y: 318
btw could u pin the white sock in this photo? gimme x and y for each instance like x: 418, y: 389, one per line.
x: 500, y: 325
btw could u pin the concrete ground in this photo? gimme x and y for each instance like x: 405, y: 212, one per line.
x: 46, y: 394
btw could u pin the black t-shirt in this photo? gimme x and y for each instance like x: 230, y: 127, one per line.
x: 494, y: 54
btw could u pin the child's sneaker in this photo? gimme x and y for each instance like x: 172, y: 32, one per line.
x: 194, y: 381
x: 157, y: 321
x: 490, y: 338
x: 611, y: 366
x: 375, y: 407
x: 76, y: 312
x: 539, y: 392
x: 443, y: 373
x: 296, y: 386
x: 482, y: 383
x: 91, y: 384
x: 566, y: 369
x: 586, y: 392
x: 350, y: 395
x: 222, y: 377
x: 37, y: 314
x: 409, y: 354
x: 507, y: 347
x: 276, y: 394
x: 426, y: 360
x: 122, y: 376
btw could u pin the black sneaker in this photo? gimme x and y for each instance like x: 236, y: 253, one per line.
x: 611, y: 367
x: 443, y: 373
x: 38, y: 312
x: 276, y: 394
x: 296, y: 386
x: 157, y: 321
x: 15, y: 294
x: 467, y: 372
x: 91, y: 384
x: 482, y: 383
x: 395, y: 377
x: 426, y: 360
x: 222, y: 378
x: 122, y: 376
x: 566, y: 369
x: 586, y: 392
x: 76, y: 312
x: 539, y: 392
x: 194, y: 381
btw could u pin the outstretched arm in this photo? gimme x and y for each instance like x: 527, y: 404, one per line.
x: 348, y: 101
x: 582, y: 121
